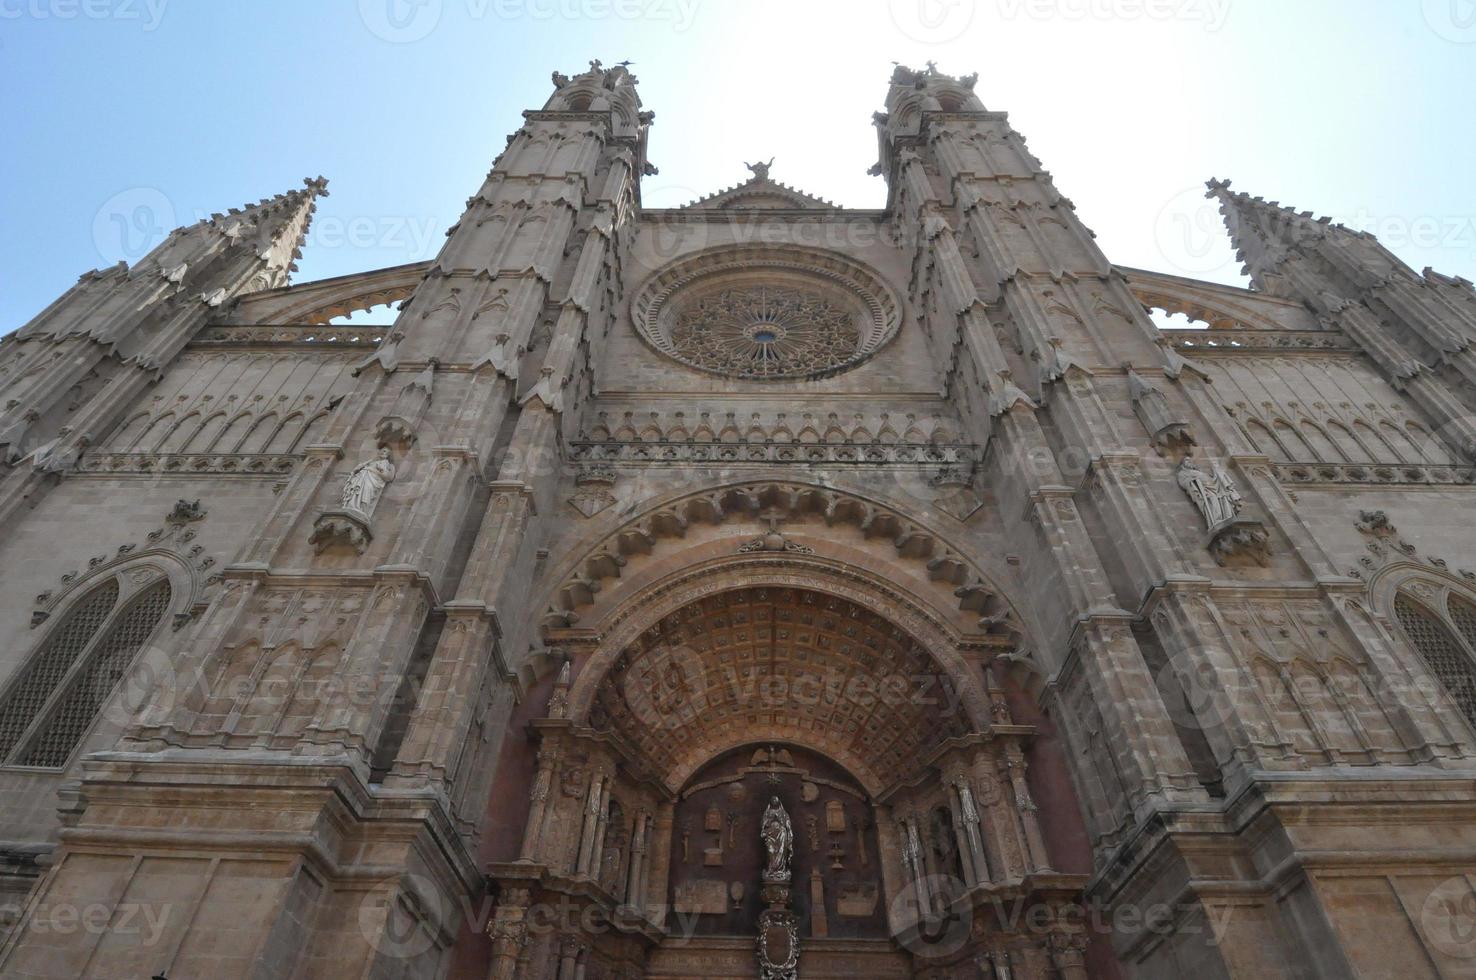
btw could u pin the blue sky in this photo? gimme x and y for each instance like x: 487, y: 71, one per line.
x: 123, y: 117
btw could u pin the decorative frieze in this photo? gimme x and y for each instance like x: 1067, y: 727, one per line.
x: 304, y: 335
x: 1373, y: 473
x: 1256, y: 341
x: 911, y: 454
x: 219, y: 464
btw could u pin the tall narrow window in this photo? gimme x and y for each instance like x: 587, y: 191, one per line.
x: 1450, y: 660
x: 48, y: 665
x: 49, y: 710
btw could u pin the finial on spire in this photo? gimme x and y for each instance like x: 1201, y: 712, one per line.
x: 760, y: 170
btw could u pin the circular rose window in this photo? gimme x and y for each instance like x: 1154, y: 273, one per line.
x: 766, y: 313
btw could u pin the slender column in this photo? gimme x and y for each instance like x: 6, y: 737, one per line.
x: 1026, y: 808
x: 1068, y: 955
x: 570, y: 946
x: 961, y: 837
x: 972, y: 830
x: 509, y: 932
x: 660, y: 863
x: 633, y: 877
x: 912, y: 853
x: 1005, y: 855
x: 542, y: 785
x: 995, y: 965
x: 601, y: 825
x: 591, y: 818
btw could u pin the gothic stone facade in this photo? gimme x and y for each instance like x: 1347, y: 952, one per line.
x: 481, y: 644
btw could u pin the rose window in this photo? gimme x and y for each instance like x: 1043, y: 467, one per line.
x: 765, y: 332
x: 766, y: 314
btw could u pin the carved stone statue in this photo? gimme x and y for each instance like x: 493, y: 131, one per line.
x: 1214, y: 493
x: 778, y: 835
x: 761, y: 169
x: 365, y: 485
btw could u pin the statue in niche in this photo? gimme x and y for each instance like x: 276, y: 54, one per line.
x: 1214, y: 493
x: 778, y: 836
x: 365, y: 485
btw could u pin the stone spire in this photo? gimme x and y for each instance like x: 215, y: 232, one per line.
x: 275, y: 227
x: 1266, y: 234
x: 1295, y: 254
x: 123, y: 321
x: 1415, y: 327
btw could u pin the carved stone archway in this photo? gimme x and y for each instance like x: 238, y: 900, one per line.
x: 812, y: 510
x: 939, y: 779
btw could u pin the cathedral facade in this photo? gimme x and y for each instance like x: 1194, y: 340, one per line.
x: 756, y: 588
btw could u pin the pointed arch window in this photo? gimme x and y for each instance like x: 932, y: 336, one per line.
x: 1449, y: 653
x: 50, y: 706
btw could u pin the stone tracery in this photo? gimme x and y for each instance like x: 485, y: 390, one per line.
x: 766, y: 312
x: 764, y: 331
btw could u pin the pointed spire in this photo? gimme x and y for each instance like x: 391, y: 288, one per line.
x: 1262, y: 231
x: 1265, y: 234
x: 1331, y: 266
x: 274, y: 227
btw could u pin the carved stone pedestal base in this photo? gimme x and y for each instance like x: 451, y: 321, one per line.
x: 340, y: 527
x: 778, y: 944
x: 1240, y: 542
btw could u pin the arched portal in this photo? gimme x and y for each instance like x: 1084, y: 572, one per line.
x: 889, y: 745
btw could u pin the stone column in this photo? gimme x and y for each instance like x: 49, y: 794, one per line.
x: 570, y: 946
x: 917, y: 872
x: 1004, y: 844
x: 961, y: 837
x: 601, y: 826
x: 1026, y: 809
x: 635, y: 874
x: 542, y: 787
x: 509, y: 932
x: 591, y: 820
x: 889, y: 859
x: 973, y: 830
x: 659, y: 863
x: 1068, y: 955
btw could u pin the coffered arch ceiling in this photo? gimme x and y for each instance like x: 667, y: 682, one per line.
x: 777, y: 663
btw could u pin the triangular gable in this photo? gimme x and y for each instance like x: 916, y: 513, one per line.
x: 760, y: 193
